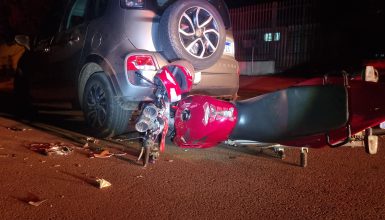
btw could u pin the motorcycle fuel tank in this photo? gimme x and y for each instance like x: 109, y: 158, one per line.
x: 203, y: 121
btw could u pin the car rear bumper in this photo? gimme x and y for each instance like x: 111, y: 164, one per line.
x: 220, y: 80
x: 217, y: 84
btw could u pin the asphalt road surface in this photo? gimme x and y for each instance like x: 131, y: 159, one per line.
x: 219, y: 183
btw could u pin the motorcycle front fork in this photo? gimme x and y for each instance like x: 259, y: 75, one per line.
x: 150, y: 150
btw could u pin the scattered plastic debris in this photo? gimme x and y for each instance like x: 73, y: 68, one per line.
x: 102, y: 183
x: 170, y: 161
x: 140, y: 176
x: 49, y: 149
x: 86, y: 146
x: 106, y: 154
x: 92, y: 140
x: 56, y: 165
x: 103, y: 154
x: 17, y: 129
x: 4, y: 155
x: 36, y: 203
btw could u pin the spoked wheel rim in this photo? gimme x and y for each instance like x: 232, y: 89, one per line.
x: 97, y: 106
x: 199, y: 32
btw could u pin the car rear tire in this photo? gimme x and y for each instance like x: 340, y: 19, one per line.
x: 104, y: 116
x: 194, y: 31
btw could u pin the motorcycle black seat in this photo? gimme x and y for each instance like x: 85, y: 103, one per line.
x: 291, y: 113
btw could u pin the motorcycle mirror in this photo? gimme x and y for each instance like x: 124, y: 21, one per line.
x: 23, y: 40
x: 176, y: 78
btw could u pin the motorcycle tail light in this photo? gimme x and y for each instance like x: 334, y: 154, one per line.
x: 140, y: 62
x: 131, y: 4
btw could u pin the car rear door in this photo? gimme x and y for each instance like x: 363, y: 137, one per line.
x: 66, y: 50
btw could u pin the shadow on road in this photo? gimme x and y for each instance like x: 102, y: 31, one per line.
x: 58, y: 119
x: 263, y: 152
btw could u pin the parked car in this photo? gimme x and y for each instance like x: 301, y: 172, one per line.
x: 90, y: 50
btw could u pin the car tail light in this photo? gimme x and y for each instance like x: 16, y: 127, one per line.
x: 140, y: 62
x: 132, y: 3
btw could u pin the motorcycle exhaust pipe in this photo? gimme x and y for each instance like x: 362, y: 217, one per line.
x: 147, y: 118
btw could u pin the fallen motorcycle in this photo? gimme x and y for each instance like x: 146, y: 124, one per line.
x: 318, y: 112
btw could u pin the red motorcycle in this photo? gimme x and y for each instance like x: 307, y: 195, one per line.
x: 318, y: 112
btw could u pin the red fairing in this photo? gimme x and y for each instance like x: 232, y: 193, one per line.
x: 203, y: 121
x: 169, y: 82
x: 176, y: 79
x: 186, y: 76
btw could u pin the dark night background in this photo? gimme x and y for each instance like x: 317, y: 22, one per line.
x: 359, y: 23
x: 23, y: 15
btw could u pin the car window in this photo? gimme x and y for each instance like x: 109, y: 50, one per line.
x: 52, y: 15
x: 97, y: 8
x: 77, y: 14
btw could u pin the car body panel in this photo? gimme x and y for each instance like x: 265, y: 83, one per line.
x: 71, y: 55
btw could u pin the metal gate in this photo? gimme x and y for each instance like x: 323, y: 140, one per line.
x: 283, y: 32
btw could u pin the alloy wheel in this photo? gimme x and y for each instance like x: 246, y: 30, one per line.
x: 199, y: 32
x: 97, y: 106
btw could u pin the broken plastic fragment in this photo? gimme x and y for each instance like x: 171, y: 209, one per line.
x: 16, y: 129
x: 36, y: 203
x: 103, y: 154
x: 102, y: 183
x: 92, y: 140
x: 106, y: 154
x: 48, y: 149
x: 85, y: 146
